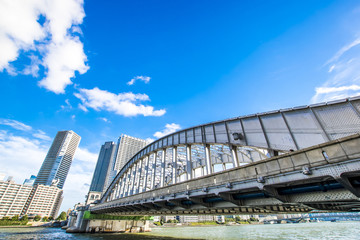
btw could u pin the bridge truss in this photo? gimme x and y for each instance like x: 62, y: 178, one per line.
x: 179, y: 173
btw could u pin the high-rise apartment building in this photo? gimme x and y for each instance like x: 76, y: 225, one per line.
x: 58, y: 160
x: 103, y: 167
x: 30, y: 181
x: 126, y: 148
x: 44, y: 201
x: 13, y: 198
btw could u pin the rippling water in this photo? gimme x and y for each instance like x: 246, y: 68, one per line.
x: 313, y: 231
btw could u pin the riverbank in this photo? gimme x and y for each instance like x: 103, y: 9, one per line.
x: 34, y: 225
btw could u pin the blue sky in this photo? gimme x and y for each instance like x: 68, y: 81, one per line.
x: 146, y: 68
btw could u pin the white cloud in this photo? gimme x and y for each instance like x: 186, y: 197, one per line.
x: 84, y: 155
x: 145, y: 79
x: 82, y: 107
x: 169, y: 128
x: 344, y: 75
x: 149, y: 140
x: 104, y: 119
x: 33, y: 68
x: 125, y: 104
x: 15, y: 124
x: 26, y: 128
x: 20, y: 157
x: 62, y: 60
x: 53, y: 38
x: 42, y: 135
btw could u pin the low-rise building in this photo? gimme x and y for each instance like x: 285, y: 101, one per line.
x: 44, y: 201
x: 13, y: 198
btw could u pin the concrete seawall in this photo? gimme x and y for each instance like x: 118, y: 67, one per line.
x: 133, y: 226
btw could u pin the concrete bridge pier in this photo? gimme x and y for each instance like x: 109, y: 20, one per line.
x: 77, y: 223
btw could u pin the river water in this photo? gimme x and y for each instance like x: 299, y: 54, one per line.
x: 313, y: 231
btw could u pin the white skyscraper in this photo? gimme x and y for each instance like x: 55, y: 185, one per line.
x: 58, y: 160
x: 126, y: 148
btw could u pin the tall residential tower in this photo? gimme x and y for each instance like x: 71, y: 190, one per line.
x: 103, y: 167
x: 127, y: 147
x: 58, y: 160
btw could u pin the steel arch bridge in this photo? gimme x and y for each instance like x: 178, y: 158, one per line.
x: 266, y: 162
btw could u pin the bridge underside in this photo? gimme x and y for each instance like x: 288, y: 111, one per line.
x: 322, y: 177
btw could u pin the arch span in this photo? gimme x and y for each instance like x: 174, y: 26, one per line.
x: 216, y: 146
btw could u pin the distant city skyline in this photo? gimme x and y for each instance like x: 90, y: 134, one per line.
x: 149, y: 68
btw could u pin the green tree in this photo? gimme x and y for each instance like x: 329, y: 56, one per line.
x: 45, y: 219
x: 15, y: 218
x: 62, y: 216
x: 51, y: 218
x: 25, y: 218
x: 5, y: 218
x: 37, y: 218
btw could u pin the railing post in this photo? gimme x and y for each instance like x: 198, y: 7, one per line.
x: 209, y: 168
x: 174, y: 169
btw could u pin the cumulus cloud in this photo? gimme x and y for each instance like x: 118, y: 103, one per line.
x: 344, y: 75
x: 145, y: 79
x: 42, y: 135
x: 15, y: 124
x: 26, y: 128
x: 20, y: 157
x: 149, y: 140
x: 49, y: 28
x: 84, y: 155
x: 125, y: 104
x: 169, y: 128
